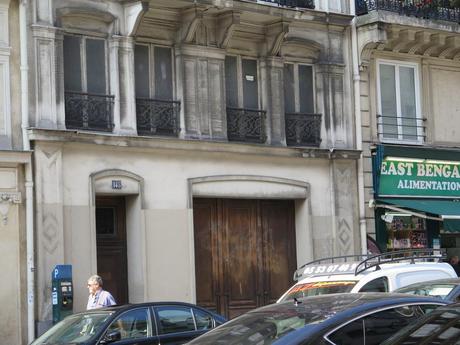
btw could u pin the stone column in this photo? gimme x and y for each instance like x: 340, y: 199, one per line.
x: 114, y: 77
x: 5, y: 96
x: 49, y: 225
x: 127, y: 87
x: 44, y: 45
x: 275, y: 100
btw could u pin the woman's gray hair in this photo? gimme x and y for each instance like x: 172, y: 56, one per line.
x: 95, y: 279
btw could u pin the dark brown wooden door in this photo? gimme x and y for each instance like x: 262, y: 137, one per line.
x: 244, y: 253
x: 111, y: 246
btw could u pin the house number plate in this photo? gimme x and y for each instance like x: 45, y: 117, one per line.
x: 116, y: 184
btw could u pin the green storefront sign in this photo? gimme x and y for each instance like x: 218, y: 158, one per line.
x: 422, y: 179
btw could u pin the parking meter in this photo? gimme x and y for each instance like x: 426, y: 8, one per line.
x: 62, y: 292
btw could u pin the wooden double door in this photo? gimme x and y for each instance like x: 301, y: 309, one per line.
x: 244, y: 252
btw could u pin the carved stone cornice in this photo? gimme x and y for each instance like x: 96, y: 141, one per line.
x: 413, y: 41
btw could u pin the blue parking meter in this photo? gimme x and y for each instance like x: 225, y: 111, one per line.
x: 62, y: 292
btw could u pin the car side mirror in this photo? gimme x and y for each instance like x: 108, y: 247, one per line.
x: 111, y: 337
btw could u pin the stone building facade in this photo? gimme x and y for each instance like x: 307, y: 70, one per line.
x: 204, y: 149
x: 16, y: 266
x: 409, y: 76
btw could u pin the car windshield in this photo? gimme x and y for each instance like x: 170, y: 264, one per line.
x: 434, y: 290
x: 319, y: 288
x: 75, y: 329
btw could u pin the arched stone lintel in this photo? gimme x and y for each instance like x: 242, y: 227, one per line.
x: 116, y: 182
x: 91, y: 19
x: 300, y: 47
x: 247, y: 187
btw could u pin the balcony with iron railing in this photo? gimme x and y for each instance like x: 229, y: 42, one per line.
x: 446, y: 10
x: 303, y: 129
x: 157, y: 117
x: 246, y: 125
x: 401, y: 129
x: 89, y: 111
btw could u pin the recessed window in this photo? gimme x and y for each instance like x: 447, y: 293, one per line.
x: 88, y: 104
x: 156, y: 110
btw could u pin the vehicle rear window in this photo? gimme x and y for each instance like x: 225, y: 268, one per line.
x: 319, y: 288
x: 434, y: 290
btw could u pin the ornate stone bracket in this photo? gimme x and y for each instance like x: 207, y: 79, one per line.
x: 6, y: 199
x: 227, y: 25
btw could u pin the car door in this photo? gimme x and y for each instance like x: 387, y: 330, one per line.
x: 373, y: 328
x: 133, y: 327
x: 180, y: 324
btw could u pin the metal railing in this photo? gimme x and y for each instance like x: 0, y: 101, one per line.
x: 303, y: 129
x: 310, y: 4
x: 401, y: 128
x: 89, y: 111
x: 157, y: 117
x: 246, y: 125
x: 427, y: 9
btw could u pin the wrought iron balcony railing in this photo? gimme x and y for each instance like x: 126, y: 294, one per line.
x: 427, y: 9
x: 89, y: 111
x: 246, y: 125
x: 303, y: 129
x: 402, y: 128
x: 157, y: 117
x: 293, y: 3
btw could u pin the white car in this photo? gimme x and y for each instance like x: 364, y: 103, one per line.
x: 363, y: 273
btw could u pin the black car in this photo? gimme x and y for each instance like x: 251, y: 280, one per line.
x: 447, y: 289
x: 341, y: 319
x: 146, y: 323
x: 441, y: 327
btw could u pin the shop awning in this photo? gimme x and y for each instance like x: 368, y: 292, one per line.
x: 447, y: 211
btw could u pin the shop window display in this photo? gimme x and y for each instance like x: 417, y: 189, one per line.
x: 405, y: 231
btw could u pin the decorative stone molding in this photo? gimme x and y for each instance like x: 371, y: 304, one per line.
x: 6, y: 199
x: 407, y: 40
x: 247, y: 186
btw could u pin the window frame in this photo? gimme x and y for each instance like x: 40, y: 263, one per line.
x: 420, y: 139
x: 177, y: 307
x: 151, y: 324
x: 344, y: 324
x: 82, y: 36
x: 239, y: 81
x: 151, y: 61
x: 296, y: 65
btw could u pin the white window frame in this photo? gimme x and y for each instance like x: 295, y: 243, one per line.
x: 297, y: 87
x: 151, y: 61
x: 83, y: 62
x: 420, y: 139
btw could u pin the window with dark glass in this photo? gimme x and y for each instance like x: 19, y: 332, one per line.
x: 245, y: 119
x: 302, y: 124
x: 175, y: 319
x: 203, y: 319
x: 157, y: 112
x: 88, y: 104
x: 134, y: 324
x: 378, y: 326
x: 376, y: 285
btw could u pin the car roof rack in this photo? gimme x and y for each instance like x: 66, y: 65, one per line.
x: 359, y: 263
x: 411, y: 255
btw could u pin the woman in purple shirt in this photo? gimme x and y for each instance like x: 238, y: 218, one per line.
x: 98, y: 297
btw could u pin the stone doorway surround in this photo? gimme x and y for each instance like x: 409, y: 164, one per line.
x: 116, y: 182
x: 257, y: 187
